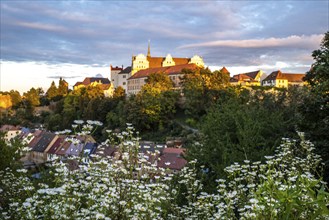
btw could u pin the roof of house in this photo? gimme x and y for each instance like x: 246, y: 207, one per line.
x: 36, y: 137
x: 291, y: 77
x: 116, y: 68
x: 252, y: 74
x: 155, y: 62
x: 126, y: 70
x: 294, y: 77
x: 169, y: 70
x: 173, y: 150
x: 62, y: 149
x: 9, y: 128
x: 224, y: 70
x: 55, y: 146
x: 172, y: 161
x: 74, y: 149
x: 88, y: 80
x: 44, y: 141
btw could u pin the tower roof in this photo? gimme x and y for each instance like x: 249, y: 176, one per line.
x: 149, y: 50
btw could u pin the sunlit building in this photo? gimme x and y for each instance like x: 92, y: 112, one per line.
x: 283, y: 80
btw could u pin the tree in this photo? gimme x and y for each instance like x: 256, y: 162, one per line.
x: 315, y: 110
x: 154, y: 105
x: 15, y: 98
x: 33, y: 96
x: 202, y: 88
x: 119, y: 92
x: 52, y: 92
x: 62, y: 87
x: 243, y: 127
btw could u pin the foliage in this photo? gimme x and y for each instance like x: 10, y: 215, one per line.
x: 32, y: 96
x: 243, y: 126
x: 154, y: 105
x: 201, y: 89
x: 52, y: 92
x: 315, y: 110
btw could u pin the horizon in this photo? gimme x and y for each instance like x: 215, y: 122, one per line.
x: 43, y: 41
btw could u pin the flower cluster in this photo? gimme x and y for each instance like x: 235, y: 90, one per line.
x: 130, y: 186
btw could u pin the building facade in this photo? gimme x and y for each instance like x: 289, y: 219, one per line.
x: 283, y: 80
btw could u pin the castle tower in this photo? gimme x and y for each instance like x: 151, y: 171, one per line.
x: 149, y: 50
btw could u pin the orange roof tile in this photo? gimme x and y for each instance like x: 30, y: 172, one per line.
x: 169, y: 70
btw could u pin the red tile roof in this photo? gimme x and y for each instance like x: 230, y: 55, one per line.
x: 173, y: 150
x: 116, y: 68
x: 294, y: 77
x: 155, y: 62
x: 291, y: 77
x: 172, y: 161
x: 224, y: 70
x: 169, y: 70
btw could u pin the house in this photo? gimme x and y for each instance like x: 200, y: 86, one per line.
x: 138, y: 80
x: 120, y: 78
x: 103, y: 83
x: 248, y: 79
x: 283, y: 80
x: 44, y: 141
x: 172, y: 158
x: 10, y: 131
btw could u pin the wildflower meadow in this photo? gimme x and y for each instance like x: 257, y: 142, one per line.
x: 287, y: 185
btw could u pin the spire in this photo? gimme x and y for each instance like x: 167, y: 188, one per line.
x: 148, y: 50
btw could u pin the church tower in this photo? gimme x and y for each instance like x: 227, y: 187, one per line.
x: 149, y: 50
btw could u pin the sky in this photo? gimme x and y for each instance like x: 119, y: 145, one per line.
x: 42, y: 41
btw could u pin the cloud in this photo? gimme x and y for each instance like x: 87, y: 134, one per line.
x: 42, y: 26
x: 63, y: 77
x: 303, y: 41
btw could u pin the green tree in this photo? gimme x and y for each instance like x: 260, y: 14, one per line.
x: 154, y: 105
x: 52, y: 92
x: 63, y: 87
x: 246, y: 126
x: 10, y: 153
x: 33, y: 96
x: 315, y: 110
x: 15, y: 98
x: 119, y: 92
x: 202, y: 88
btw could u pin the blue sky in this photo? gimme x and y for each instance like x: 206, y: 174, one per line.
x: 44, y: 40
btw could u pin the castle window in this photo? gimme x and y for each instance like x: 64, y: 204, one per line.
x: 124, y: 83
x: 124, y: 76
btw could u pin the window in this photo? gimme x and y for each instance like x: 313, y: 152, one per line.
x: 124, y: 76
x: 124, y: 83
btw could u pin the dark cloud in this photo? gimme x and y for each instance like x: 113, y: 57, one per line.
x: 109, y: 32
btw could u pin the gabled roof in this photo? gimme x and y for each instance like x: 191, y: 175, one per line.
x: 126, y: 70
x: 62, y: 149
x: 9, y: 128
x: 252, y: 74
x: 241, y: 77
x: 55, y: 146
x: 44, y: 141
x: 169, y: 70
x: 172, y: 158
x: 224, y: 70
x: 155, y: 62
x: 291, y: 77
x: 89, y: 80
x: 294, y: 77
